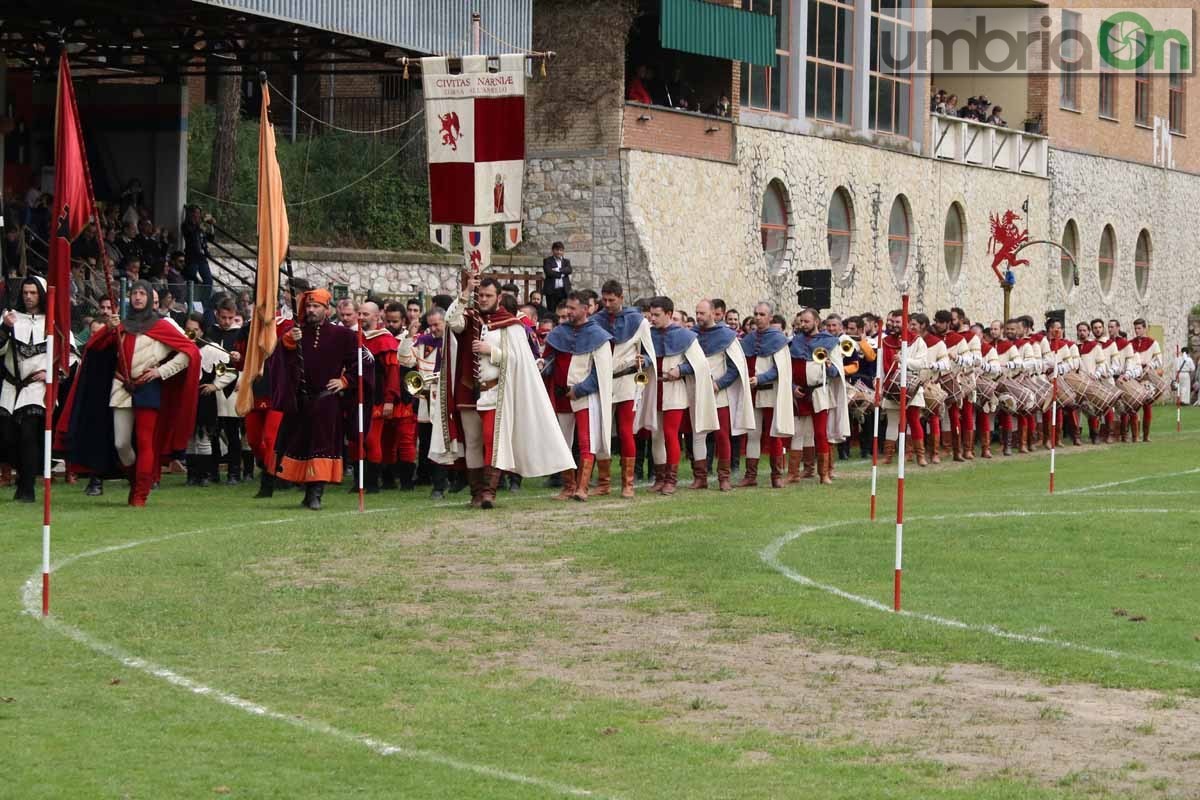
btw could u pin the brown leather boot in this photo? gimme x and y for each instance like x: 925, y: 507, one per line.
x: 825, y: 468
x: 793, y: 461
x: 1134, y: 427
x: 777, y: 472
x: 1023, y: 439
x: 810, y: 462
x: 568, y: 485
x: 723, y: 475
x: 946, y: 442
x: 889, y: 451
x: 750, y: 478
x: 627, y: 463
x: 1006, y: 438
x: 491, y: 482
x: 699, y: 474
x: 584, y: 478
x: 660, y: 477
x: 985, y: 445
x: 956, y: 446
x: 671, y: 479
x: 966, y: 445
x: 475, y: 482
x: 919, y: 452
x: 603, y: 478
x: 933, y: 448
x: 1124, y: 429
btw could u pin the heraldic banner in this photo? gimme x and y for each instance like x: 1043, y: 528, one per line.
x: 475, y: 129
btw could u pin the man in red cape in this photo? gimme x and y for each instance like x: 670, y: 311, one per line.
x: 136, y: 393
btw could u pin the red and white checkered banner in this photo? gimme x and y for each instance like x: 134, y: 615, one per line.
x: 475, y: 129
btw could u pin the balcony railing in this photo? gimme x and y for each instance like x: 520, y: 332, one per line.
x: 990, y: 146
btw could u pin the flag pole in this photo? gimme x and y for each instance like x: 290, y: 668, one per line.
x: 46, y: 450
x: 902, y: 425
x: 1053, y: 432
x: 875, y: 437
x: 1178, y: 397
x: 361, y: 454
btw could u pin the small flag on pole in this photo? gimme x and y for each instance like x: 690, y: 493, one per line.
x: 477, y: 247
x: 512, y: 235
x: 440, y: 235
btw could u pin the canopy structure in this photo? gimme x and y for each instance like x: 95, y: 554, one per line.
x: 719, y: 31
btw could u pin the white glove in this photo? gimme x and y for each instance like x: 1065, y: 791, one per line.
x: 1134, y: 372
x: 1063, y: 369
x: 1100, y: 374
x: 942, y: 365
x: 994, y: 368
x: 1156, y: 362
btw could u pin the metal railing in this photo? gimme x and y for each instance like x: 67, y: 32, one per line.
x: 990, y: 146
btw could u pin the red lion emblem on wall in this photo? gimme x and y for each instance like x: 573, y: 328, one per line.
x: 1005, y: 241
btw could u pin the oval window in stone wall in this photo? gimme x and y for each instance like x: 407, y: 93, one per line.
x: 1141, y: 263
x: 1107, y: 260
x: 952, y: 242
x: 839, y: 230
x: 899, y: 236
x: 774, y: 223
x: 1070, y: 243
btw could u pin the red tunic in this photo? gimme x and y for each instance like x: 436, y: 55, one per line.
x: 384, y: 348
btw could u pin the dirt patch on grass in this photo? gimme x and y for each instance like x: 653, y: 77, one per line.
x: 713, y: 675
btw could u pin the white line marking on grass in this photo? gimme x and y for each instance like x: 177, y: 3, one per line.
x: 31, y: 605
x: 1094, y: 487
x: 1151, y: 493
x: 770, y: 556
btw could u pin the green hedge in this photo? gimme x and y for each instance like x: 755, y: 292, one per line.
x: 388, y: 210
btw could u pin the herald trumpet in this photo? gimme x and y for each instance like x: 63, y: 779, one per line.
x: 820, y: 355
x: 641, y: 377
x: 200, y: 341
x: 847, y: 348
x: 416, y: 383
x: 220, y: 369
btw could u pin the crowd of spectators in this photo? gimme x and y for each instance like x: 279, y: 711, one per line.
x: 977, y: 109
x: 652, y: 88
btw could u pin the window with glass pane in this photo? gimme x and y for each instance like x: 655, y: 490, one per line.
x: 1107, y: 261
x: 1070, y: 243
x: 774, y: 224
x: 1141, y: 86
x: 890, y: 91
x: 898, y: 235
x: 766, y: 88
x: 1141, y: 263
x: 829, y: 66
x: 839, y: 226
x: 1071, y: 54
x: 1108, y: 92
x: 1177, y: 107
x: 952, y: 242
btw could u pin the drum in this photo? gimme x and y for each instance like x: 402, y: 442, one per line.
x: 953, y: 389
x: 935, y: 398
x: 860, y: 399
x: 1024, y: 400
x: 1157, y: 381
x: 1097, y: 397
x: 1066, y: 395
x: 986, y: 386
x: 1131, y: 395
x: 968, y: 382
x: 1043, y: 391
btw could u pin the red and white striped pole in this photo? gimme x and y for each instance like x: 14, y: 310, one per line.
x: 361, y: 443
x: 1053, y: 432
x: 1178, y: 396
x: 46, y: 450
x: 903, y: 423
x: 875, y: 438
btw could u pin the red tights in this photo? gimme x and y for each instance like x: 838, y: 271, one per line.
x: 262, y: 429
x: 624, y: 417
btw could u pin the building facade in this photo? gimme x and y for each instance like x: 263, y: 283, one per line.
x: 827, y: 160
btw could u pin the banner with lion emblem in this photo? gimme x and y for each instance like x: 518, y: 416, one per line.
x: 475, y: 138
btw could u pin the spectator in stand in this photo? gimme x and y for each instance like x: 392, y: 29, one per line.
x: 996, y: 119
x: 87, y: 245
x: 195, y: 246
x: 723, y: 108
x: 971, y: 111
x: 152, y: 246
x: 131, y: 269
x: 127, y: 242
x: 951, y: 106
x: 176, y: 267
x: 679, y: 92
x: 12, y: 251
x: 169, y: 306
x: 937, y: 104
x: 982, y: 104
x: 245, y: 304
x: 637, y: 91
x: 557, y: 270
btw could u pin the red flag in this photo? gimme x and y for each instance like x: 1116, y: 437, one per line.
x: 73, y: 204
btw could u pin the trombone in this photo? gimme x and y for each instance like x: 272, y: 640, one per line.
x: 417, y: 384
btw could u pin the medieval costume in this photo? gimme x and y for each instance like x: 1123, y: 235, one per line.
x: 203, y: 446
x: 116, y: 402
x: 578, y: 363
x: 733, y: 399
x: 769, y: 363
x: 630, y: 332
x: 265, y: 415
x: 813, y: 400
x: 384, y: 405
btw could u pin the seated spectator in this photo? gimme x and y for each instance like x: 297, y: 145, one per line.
x: 152, y: 246
x: 996, y: 119
x: 971, y: 111
x: 88, y: 244
x: 131, y: 269
x: 637, y: 91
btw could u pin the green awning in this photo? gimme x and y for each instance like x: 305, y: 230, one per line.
x: 708, y: 29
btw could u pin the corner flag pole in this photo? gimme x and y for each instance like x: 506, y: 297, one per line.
x: 1053, y: 432
x: 875, y: 437
x: 900, y: 448
x: 361, y: 453
x: 46, y: 445
x: 1178, y: 398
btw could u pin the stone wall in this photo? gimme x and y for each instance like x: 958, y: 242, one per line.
x: 1095, y: 192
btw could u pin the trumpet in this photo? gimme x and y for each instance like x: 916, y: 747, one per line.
x: 820, y: 355
x: 641, y: 377
x: 220, y: 369
x: 201, y: 341
x: 847, y: 347
x: 416, y: 383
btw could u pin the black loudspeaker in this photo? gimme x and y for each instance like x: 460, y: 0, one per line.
x: 815, y: 286
x: 1058, y: 314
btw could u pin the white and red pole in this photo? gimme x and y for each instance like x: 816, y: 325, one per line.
x: 875, y: 437
x: 46, y: 450
x: 361, y: 442
x: 1053, y: 432
x: 1178, y: 398
x: 902, y: 425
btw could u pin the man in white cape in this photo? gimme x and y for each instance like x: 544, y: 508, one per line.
x: 578, y: 363
x: 493, y: 408
x: 770, y: 366
x: 732, y: 393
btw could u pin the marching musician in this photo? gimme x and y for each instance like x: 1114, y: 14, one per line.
x: 384, y: 441
x: 937, y: 359
x: 770, y: 365
x: 1147, y: 358
x: 216, y: 377
x: 916, y: 360
x: 733, y: 397
x: 632, y: 351
x: 578, y: 362
x: 813, y: 397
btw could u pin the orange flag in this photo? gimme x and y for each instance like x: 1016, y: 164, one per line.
x: 272, y: 248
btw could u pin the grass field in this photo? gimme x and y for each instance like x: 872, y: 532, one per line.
x: 725, y: 646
